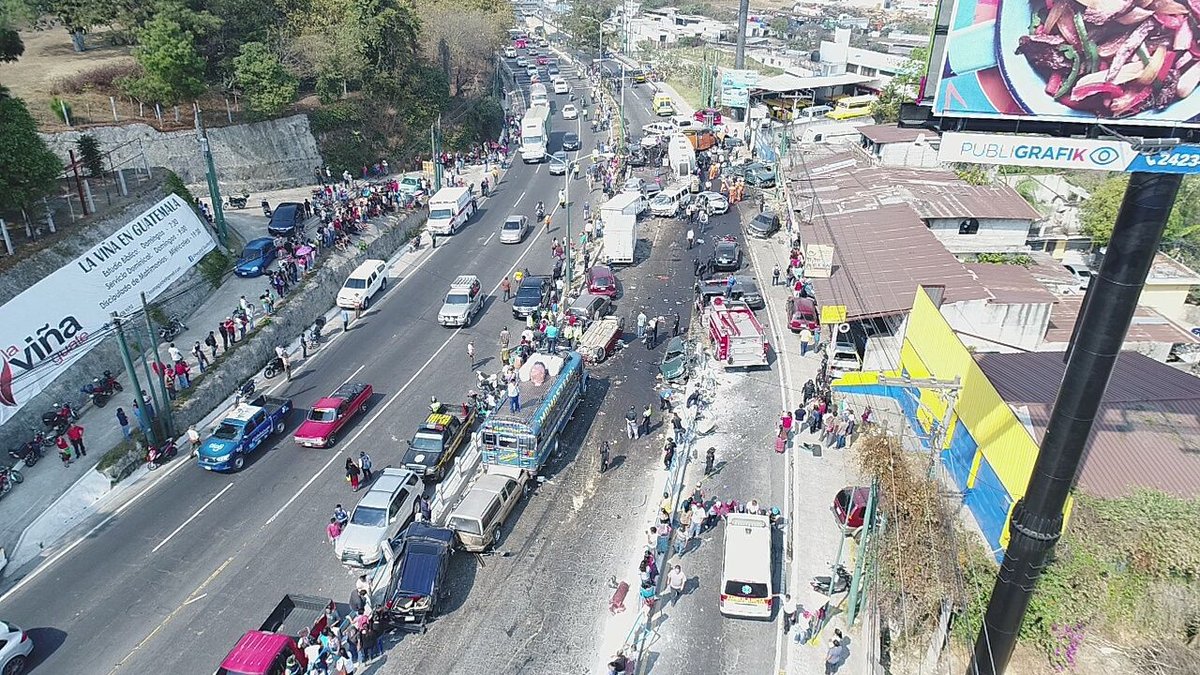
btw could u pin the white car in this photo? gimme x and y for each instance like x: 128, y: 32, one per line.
x: 570, y: 112
x: 660, y: 128
x: 634, y: 184
x: 522, y: 61
x: 15, y: 648
x: 715, y: 201
x: 514, y: 229
x: 1082, y: 273
x: 510, y: 52
x: 386, y: 509
x: 531, y: 71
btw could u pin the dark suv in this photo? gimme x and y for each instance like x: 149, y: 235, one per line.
x: 422, y: 558
x: 288, y: 219
x: 726, y: 256
x: 531, y: 295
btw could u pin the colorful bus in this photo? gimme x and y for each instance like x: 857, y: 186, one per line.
x: 550, y: 386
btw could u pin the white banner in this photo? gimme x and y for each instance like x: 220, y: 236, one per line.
x: 1065, y: 153
x: 53, y: 323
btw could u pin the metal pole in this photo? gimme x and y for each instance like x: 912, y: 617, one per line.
x: 1037, y: 518
x: 78, y: 181
x: 214, y: 190
x: 739, y: 56
x: 133, y: 379
x: 8, y: 245
x: 436, y: 141
x: 162, y: 380
x: 570, y: 259
x: 854, y: 598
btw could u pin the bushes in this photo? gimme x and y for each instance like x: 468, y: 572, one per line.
x: 100, y: 78
x: 61, y: 110
x: 214, y: 266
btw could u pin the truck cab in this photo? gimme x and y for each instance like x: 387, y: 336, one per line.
x: 242, y: 431
x: 266, y: 650
x: 436, y: 443
x: 463, y: 301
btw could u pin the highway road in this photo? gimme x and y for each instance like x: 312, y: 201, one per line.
x: 173, y: 580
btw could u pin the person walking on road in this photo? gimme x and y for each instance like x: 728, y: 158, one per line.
x: 193, y: 440
x: 668, y: 454
x: 75, y: 433
x: 604, y: 456
x: 506, y: 286
x: 790, y: 609
x: 681, y: 533
x: 123, y: 421
x: 691, y: 238
x: 647, y: 413
x: 675, y: 327
x: 710, y: 459
x: 174, y: 353
x: 631, y: 423
x: 345, y: 320
x: 504, y: 345
x: 352, y: 473
x: 333, y: 530
x: 471, y: 353
x: 676, y: 580
x: 641, y: 324
x: 366, y: 465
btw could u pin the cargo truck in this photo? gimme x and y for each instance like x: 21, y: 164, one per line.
x: 535, y: 134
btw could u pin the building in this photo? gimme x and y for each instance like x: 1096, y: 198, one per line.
x: 839, y: 57
x: 666, y: 26
x: 1168, y: 286
x: 889, y: 145
x: 971, y: 219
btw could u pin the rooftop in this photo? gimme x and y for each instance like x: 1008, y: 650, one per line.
x: 1010, y: 284
x: 788, y: 82
x: 1147, y: 326
x: 973, y: 201
x: 890, y: 133
x: 1147, y: 431
x: 1167, y: 270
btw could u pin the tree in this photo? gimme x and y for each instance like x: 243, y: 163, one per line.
x: 12, y: 14
x: 901, y: 89
x: 1098, y: 213
x: 464, y: 38
x: 268, y: 86
x: 79, y: 16
x: 780, y: 27
x: 173, y: 69
x: 29, y: 168
x: 584, y: 21
x: 90, y: 155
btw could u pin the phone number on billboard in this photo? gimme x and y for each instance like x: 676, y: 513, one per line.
x: 1178, y: 160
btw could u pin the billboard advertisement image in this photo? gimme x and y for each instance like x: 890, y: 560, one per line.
x: 735, y: 87
x: 54, y: 322
x: 1088, y: 61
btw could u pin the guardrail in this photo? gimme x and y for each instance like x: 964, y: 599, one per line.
x: 460, y: 476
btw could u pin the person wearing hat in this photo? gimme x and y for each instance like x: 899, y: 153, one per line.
x: 292, y: 666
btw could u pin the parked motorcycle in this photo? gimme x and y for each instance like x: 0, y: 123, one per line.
x: 58, y: 419
x: 273, y: 368
x: 314, y: 334
x: 102, y: 389
x: 156, y: 455
x: 171, y: 329
x: 266, y: 208
x: 237, y: 201
x: 841, y: 584
x: 245, y: 392
x: 8, y: 478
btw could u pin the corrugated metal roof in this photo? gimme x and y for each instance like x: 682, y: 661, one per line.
x: 1147, y: 431
x: 1010, y: 284
x: 890, y: 133
x: 1148, y: 325
x: 974, y: 201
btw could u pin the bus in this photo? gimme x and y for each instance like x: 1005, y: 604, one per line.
x: 849, y: 107
x: 551, y: 386
x: 538, y: 95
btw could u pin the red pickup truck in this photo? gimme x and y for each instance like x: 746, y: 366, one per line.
x: 329, y: 415
x: 265, y: 651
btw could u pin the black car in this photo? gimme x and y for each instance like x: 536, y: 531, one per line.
x: 726, y: 257
x: 763, y: 225
x: 531, y: 295
x: 421, y: 555
x: 570, y: 141
x: 744, y: 288
x: 287, y: 219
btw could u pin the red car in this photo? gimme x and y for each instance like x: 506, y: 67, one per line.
x: 802, y: 313
x: 600, y: 281
x: 542, y: 60
x: 706, y: 114
x: 850, y: 507
x: 330, y: 414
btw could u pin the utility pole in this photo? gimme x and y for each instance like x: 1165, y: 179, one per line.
x: 1037, y: 519
x: 940, y: 428
x: 168, y: 417
x: 570, y: 262
x: 739, y: 56
x: 435, y: 140
x: 151, y: 436
x: 214, y: 190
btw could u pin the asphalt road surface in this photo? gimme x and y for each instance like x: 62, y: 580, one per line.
x: 172, y: 582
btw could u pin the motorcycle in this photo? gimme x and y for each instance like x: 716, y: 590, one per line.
x: 273, y: 368
x: 314, y: 334
x: 822, y: 584
x: 102, y: 389
x: 8, y: 478
x: 237, y: 201
x: 155, y: 455
x: 540, y: 212
x: 60, y: 418
x: 172, y: 329
x: 266, y: 208
x: 245, y: 392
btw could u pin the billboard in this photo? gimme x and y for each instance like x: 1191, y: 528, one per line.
x: 53, y: 323
x: 1135, y: 62
x: 735, y: 87
x: 1065, y: 153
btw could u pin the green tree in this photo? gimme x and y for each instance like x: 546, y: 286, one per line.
x: 268, y: 86
x: 90, y: 155
x: 29, y: 168
x: 1098, y: 213
x: 78, y: 16
x: 901, y: 89
x: 780, y: 27
x: 173, y: 69
x: 584, y: 21
x: 13, y: 13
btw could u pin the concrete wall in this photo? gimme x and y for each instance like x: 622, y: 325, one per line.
x: 1168, y: 299
x: 106, y: 355
x: 1020, y: 325
x: 996, y: 235
x: 258, y: 156
x: 921, y: 156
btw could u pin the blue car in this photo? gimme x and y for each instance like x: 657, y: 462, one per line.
x: 256, y: 257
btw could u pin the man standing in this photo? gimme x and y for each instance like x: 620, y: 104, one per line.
x: 675, y: 328
x: 806, y: 337
x: 675, y: 583
x: 365, y: 463
x: 224, y: 338
x: 123, y: 421
x: 211, y: 341
x: 333, y: 530
x: 504, y: 345
x: 641, y: 324
x: 790, y: 608
x: 193, y: 437
x: 75, y: 433
x: 514, y: 396
x: 471, y: 353
x: 835, y: 657
x: 201, y: 359
x: 691, y: 238
x: 710, y: 459
x: 646, y: 414
x: 345, y: 320
x: 631, y: 423
x: 174, y: 353
x: 506, y: 286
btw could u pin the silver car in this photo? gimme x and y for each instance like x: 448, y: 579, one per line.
x: 514, y: 229
x: 385, y: 510
x: 15, y: 648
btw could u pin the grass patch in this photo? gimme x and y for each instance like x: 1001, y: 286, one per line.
x: 215, y: 266
x: 121, y: 451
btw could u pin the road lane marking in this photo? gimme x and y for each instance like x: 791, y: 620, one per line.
x: 192, y: 598
x: 338, y: 453
x: 485, y: 241
x: 519, y: 199
x: 192, y: 517
x: 352, y: 375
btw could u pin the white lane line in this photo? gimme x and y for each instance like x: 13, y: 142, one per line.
x: 198, y: 597
x: 519, y: 199
x: 338, y: 453
x: 485, y: 241
x: 352, y: 375
x: 192, y: 517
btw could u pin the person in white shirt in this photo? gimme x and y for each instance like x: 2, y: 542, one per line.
x: 675, y: 583
x: 174, y: 352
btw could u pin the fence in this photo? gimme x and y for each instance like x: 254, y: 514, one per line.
x: 75, y: 111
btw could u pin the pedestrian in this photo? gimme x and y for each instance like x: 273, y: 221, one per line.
x: 123, y: 421
x: 681, y: 537
x: 333, y: 530
x: 604, y: 456
x: 506, y: 286
x: 652, y: 333
x: 675, y: 583
x: 201, y: 359
x: 675, y: 328
x: 231, y: 329
x: 224, y: 338
x: 691, y: 238
x: 211, y: 341
x: 75, y: 433
x: 174, y: 353
x: 366, y: 465
x: 710, y: 459
x: 775, y: 275
x: 631, y: 423
x: 677, y: 427
x: 193, y: 437
x: 514, y: 396
x: 352, y: 473
x: 647, y: 595
x: 358, y: 307
x: 345, y: 320
x: 806, y: 337
x: 699, y: 515
x: 835, y: 657
x: 182, y: 375
x: 425, y: 508
x: 647, y: 412
x: 64, y: 452
x: 641, y: 324
x: 471, y: 353
x: 668, y: 454
x: 662, y: 541
x: 789, y: 612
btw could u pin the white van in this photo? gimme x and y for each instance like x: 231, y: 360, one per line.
x: 450, y: 209
x: 746, y: 572
x: 674, y: 198
x: 560, y: 86
x: 813, y: 112
x: 364, y: 282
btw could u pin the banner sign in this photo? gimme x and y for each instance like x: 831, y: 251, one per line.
x: 735, y: 87
x: 1072, y: 62
x: 56, y: 321
x: 1065, y: 153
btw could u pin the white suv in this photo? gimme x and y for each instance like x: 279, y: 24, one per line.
x: 386, y: 509
x: 363, y: 283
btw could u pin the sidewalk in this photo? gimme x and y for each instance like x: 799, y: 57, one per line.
x: 70, y: 491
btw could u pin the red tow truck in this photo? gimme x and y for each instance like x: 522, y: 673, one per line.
x: 738, y: 339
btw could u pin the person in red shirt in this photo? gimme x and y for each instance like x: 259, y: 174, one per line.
x: 75, y: 433
x: 64, y: 452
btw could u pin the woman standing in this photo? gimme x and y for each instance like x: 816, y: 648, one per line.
x: 352, y: 473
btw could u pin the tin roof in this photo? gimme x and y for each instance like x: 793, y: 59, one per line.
x: 1147, y: 431
x: 1147, y: 326
x: 1010, y: 284
x: 890, y: 133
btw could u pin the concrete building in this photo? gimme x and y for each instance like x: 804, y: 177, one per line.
x: 1168, y: 286
x: 839, y: 57
x: 971, y: 219
x: 666, y: 26
x: 889, y: 145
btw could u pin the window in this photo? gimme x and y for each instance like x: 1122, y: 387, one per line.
x: 394, y: 509
x: 969, y: 226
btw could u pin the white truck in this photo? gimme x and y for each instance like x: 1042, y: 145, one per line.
x: 619, y: 216
x: 535, y: 134
x: 449, y: 210
x: 833, y: 132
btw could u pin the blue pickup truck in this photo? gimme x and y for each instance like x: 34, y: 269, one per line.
x: 243, y: 431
